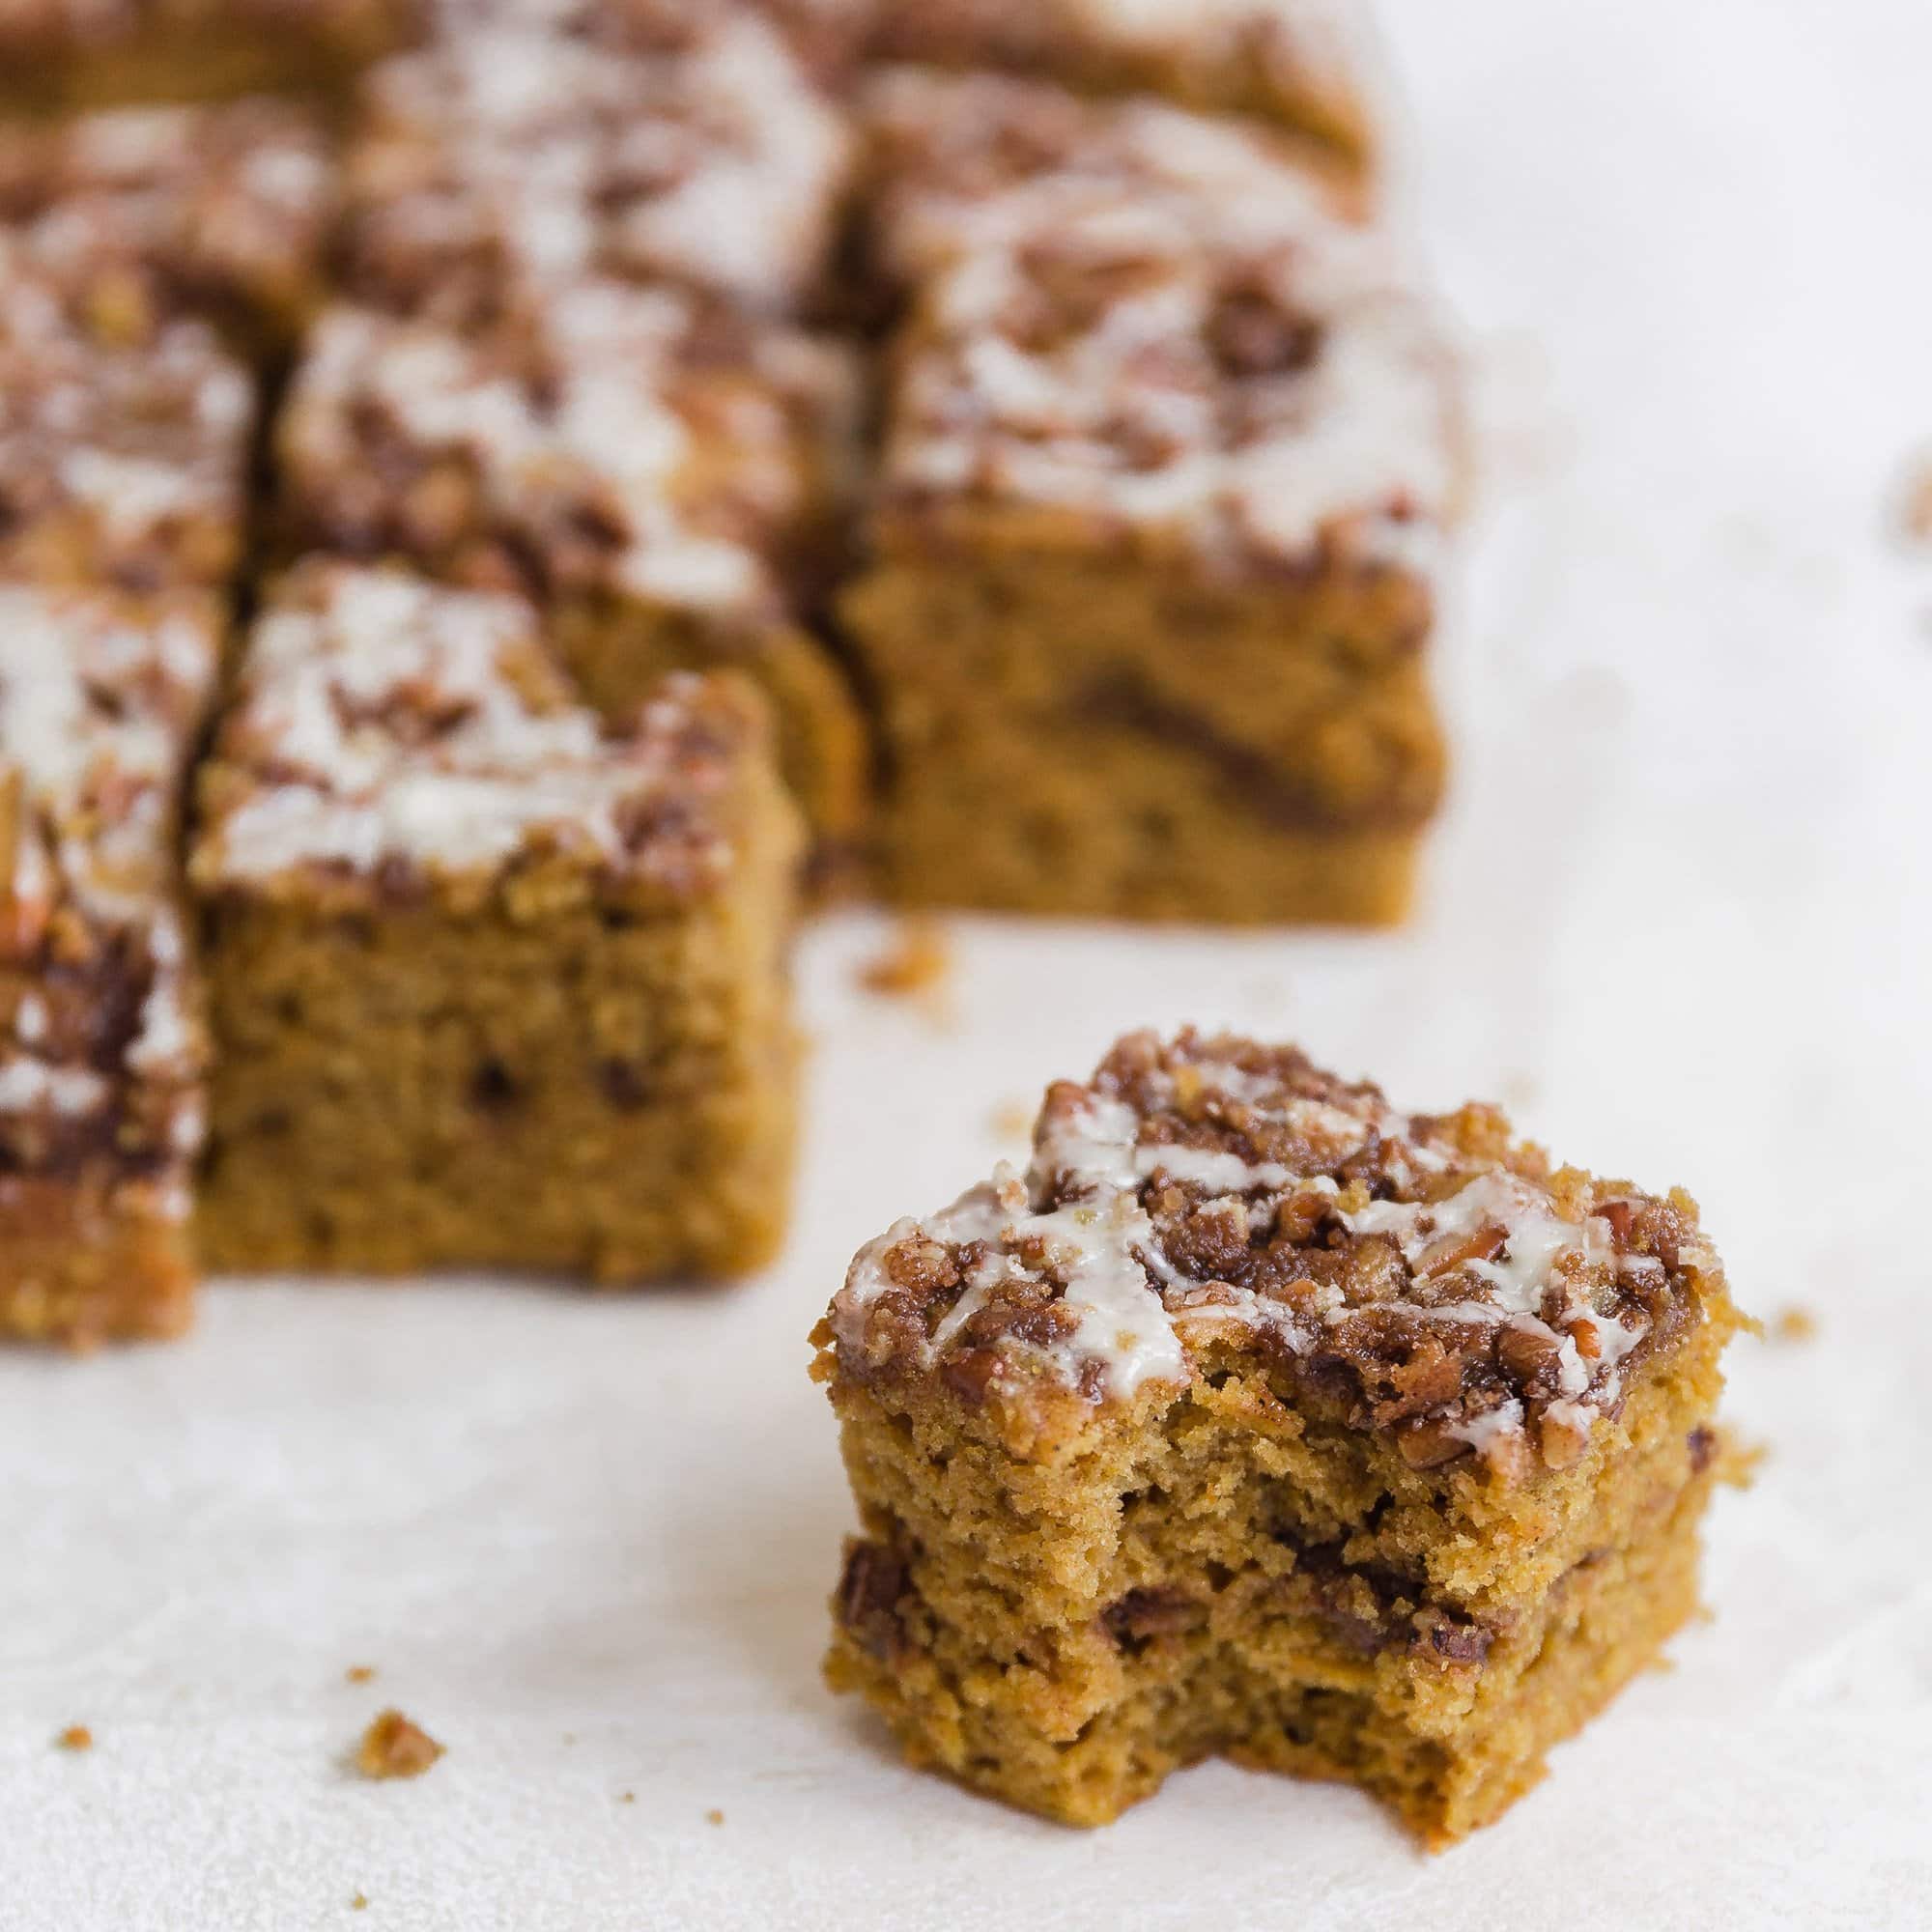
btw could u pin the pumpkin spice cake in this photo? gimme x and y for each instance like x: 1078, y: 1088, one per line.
x: 489, y: 984
x: 664, y: 478
x: 500, y: 162
x: 140, y: 215
x: 1150, y: 555
x: 1258, y: 1419
x: 119, y: 466
x: 100, y: 1041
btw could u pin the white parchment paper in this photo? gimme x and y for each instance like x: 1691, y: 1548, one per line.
x: 1677, y: 919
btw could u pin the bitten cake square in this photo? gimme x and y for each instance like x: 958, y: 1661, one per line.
x: 489, y: 984
x: 1299, y: 62
x: 101, y: 1040
x: 1257, y: 1419
x: 501, y: 161
x: 68, y: 55
x: 139, y: 216
x: 1151, y: 561
x: 661, y: 477
x: 121, y: 467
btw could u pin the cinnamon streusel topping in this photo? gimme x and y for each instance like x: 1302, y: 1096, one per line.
x: 100, y: 1043
x: 388, y: 733
x: 1152, y: 322
x: 508, y: 161
x: 1206, y: 1200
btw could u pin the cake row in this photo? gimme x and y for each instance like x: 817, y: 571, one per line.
x: 1096, y: 444
x: 1096, y: 455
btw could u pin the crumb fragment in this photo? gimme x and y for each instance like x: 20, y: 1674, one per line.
x: 1795, y: 1323
x: 914, y: 963
x: 395, y: 1746
x: 358, y: 1903
x: 360, y: 1673
x: 1914, y: 503
x: 1739, y: 1461
x: 75, y: 1738
x: 714, y: 1817
x: 1013, y: 1120
x: 627, y: 1798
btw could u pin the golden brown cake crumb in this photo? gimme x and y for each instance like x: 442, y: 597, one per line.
x: 75, y: 1738
x: 714, y: 1817
x: 1796, y: 1323
x: 395, y: 1746
x: 915, y: 961
x: 1259, y: 1418
x: 1914, y: 505
x: 360, y: 1673
x: 358, y: 1903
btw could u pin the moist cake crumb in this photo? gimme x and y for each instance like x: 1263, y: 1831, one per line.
x: 360, y: 1673
x: 915, y: 961
x: 75, y: 1738
x: 395, y: 1746
x: 1796, y: 1323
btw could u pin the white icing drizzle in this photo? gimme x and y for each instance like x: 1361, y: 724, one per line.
x: 612, y: 431
x: 718, y: 166
x: 397, y: 719
x: 99, y: 704
x: 1115, y: 400
x: 1076, y: 1219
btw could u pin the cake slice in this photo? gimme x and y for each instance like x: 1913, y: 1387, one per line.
x: 101, y: 1040
x: 664, y: 478
x: 1259, y: 1419
x: 489, y: 984
x: 1151, y: 559
x: 504, y: 158
x: 119, y: 466
x: 139, y: 216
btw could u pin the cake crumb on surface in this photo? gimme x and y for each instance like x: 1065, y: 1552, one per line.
x: 396, y: 1747
x: 1739, y: 1461
x: 358, y: 1903
x: 914, y: 963
x: 1914, y: 520
x: 75, y: 1738
x: 360, y: 1673
x: 714, y: 1816
x: 627, y: 1798
x: 1796, y: 1323
x: 1012, y: 1120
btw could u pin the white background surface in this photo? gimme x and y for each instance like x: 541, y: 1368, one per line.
x: 1677, y: 919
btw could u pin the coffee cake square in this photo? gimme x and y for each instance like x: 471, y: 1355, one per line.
x: 119, y: 467
x: 1258, y: 1419
x: 137, y: 217
x: 508, y: 159
x: 489, y: 984
x: 1150, y: 559
x: 101, y: 1051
